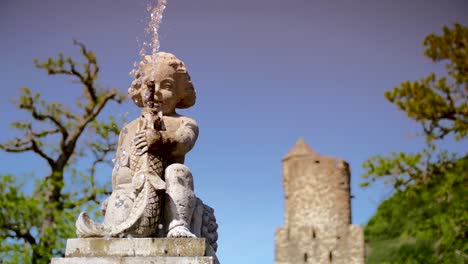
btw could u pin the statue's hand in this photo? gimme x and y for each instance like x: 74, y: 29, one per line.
x: 145, y: 139
x: 104, y: 206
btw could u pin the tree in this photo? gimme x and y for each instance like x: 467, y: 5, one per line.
x: 426, y: 219
x: 34, y: 224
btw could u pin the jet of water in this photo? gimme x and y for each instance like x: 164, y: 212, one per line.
x: 151, y: 47
x: 153, y: 26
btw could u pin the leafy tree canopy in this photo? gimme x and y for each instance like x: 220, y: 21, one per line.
x: 426, y: 220
x: 34, y: 224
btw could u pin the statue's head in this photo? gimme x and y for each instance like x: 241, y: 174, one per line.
x: 169, y: 75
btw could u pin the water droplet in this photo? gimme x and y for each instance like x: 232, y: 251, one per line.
x: 125, y: 131
x: 147, y: 95
x: 117, y: 165
x: 113, y: 161
x: 119, y: 203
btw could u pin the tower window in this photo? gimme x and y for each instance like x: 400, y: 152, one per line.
x: 330, y: 256
x: 305, y: 257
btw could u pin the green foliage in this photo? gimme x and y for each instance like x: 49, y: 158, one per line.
x: 15, y: 203
x: 440, y: 104
x: 426, y: 220
x: 34, y: 225
x: 426, y: 224
x: 402, y: 168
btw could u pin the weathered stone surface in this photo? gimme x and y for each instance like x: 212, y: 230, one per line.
x: 135, y: 247
x: 317, y: 211
x: 138, y: 250
x: 135, y: 260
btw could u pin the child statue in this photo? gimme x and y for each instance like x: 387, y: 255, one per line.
x: 152, y: 190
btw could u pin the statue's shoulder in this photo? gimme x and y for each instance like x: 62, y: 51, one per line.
x: 182, y: 120
x: 133, y: 123
x: 189, y: 120
x: 191, y: 124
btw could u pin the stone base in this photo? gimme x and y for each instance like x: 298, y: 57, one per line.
x: 137, y: 250
x: 135, y: 260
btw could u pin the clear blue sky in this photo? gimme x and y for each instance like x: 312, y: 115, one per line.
x: 266, y: 73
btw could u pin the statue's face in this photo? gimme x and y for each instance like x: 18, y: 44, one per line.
x: 173, y: 87
x: 165, y: 96
x: 165, y: 82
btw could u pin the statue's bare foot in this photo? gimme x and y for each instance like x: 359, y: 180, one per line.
x: 180, y: 231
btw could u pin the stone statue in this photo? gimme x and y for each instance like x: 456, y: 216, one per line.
x: 152, y: 190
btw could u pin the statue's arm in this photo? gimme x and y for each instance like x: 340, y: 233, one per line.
x: 183, y: 139
x: 177, y: 142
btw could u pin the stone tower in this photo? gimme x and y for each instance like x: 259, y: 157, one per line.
x: 317, y: 226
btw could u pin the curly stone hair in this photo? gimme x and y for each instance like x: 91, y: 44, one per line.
x: 185, y: 89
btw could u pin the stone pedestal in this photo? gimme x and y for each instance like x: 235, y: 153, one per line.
x: 137, y: 250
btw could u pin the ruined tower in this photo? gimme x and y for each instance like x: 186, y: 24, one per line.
x: 317, y: 219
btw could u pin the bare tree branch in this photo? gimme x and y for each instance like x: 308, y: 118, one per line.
x: 90, y: 77
x: 29, y: 105
x: 35, y: 148
x: 44, y: 133
x: 15, y: 150
x: 19, y: 233
x: 18, y: 145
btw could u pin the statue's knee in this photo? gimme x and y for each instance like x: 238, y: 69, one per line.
x: 178, y: 170
x: 179, y: 174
